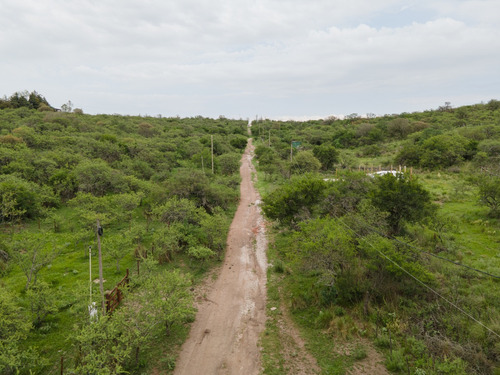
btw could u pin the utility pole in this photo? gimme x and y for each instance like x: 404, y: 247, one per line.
x: 269, y: 137
x: 101, y: 282
x: 90, y: 275
x: 212, y: 142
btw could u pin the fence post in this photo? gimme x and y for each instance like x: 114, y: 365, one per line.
x: 106, y: 297
x: 62, y: 365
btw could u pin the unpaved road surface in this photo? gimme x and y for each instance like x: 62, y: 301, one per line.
x: 232, y: 314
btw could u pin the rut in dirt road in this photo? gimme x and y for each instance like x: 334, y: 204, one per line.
x: 224, y: 337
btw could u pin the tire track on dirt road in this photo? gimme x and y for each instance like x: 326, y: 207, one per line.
x: 224, y: 337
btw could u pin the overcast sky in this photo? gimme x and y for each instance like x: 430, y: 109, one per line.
x: 247, y: 58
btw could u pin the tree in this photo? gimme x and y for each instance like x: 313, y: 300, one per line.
x: 489, y: 193
x: 409, y: 155
x: 180, y: 210
x: 305, y: 162
x: 322, y: 245
x: 165, y: 298
x: 399, y: 128
x: 117, y: 246
x: 9, y: 208
x: 215, y: 227
x: 42, y: 302
x: 166, y: 241
x: 403, y: 198
x: 14, y: 328
x: 98, y: 178
x: 344, y: 195
x: 296, y: 200
x: 200, y: 253
x: 67, y: 107
x: 229, y: 163
x: 444, y: 150
x: 90, y: 208
x: 327, y: 155
x: 146, y: 129
x: 105, y: 346
x: 238, y: 141
x: 323, y: 248
x: 64, y: 183
x: 32, y: 253
x: 21, y: 198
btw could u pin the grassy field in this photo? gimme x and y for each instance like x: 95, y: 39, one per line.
x: 68, y: 278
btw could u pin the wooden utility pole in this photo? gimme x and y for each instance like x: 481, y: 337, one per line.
x: 90, y: 276
x: 101, y: 282
x: 212, y: 142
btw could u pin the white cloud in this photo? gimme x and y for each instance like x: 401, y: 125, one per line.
x: 286, y: 57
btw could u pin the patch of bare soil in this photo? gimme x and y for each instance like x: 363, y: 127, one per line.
x: 372, y: 364
x: 231, y: 312
x: 297, y: 359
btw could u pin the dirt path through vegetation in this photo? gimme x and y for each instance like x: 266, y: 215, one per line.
x: 232, y: 313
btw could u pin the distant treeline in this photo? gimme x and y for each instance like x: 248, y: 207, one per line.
x: 31, y: 100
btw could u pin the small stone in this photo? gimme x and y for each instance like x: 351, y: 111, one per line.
x: 274, y: 308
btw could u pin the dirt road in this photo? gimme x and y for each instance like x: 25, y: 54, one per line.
x: 231, y: 316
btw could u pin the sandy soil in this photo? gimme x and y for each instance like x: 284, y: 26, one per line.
x: 231, y: 315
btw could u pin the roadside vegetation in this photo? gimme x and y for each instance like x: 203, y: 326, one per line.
x: 407, y: 262
x: 164, y: 216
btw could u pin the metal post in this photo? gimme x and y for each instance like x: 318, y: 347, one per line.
x: 212, y: 146
x: 101, y: 282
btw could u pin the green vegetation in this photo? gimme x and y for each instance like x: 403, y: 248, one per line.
x: 354, y: 256
x: 383, y: 258
x: 164, y: 214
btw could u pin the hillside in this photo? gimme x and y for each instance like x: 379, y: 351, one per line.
x: 163, y: 204
x: 399, y: 271
x: 409, y: 263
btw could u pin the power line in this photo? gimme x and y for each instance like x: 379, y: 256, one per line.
x: 420, y: 281
x: 429, y: 253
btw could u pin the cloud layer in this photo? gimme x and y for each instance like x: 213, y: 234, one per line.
x: 251, y: 57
